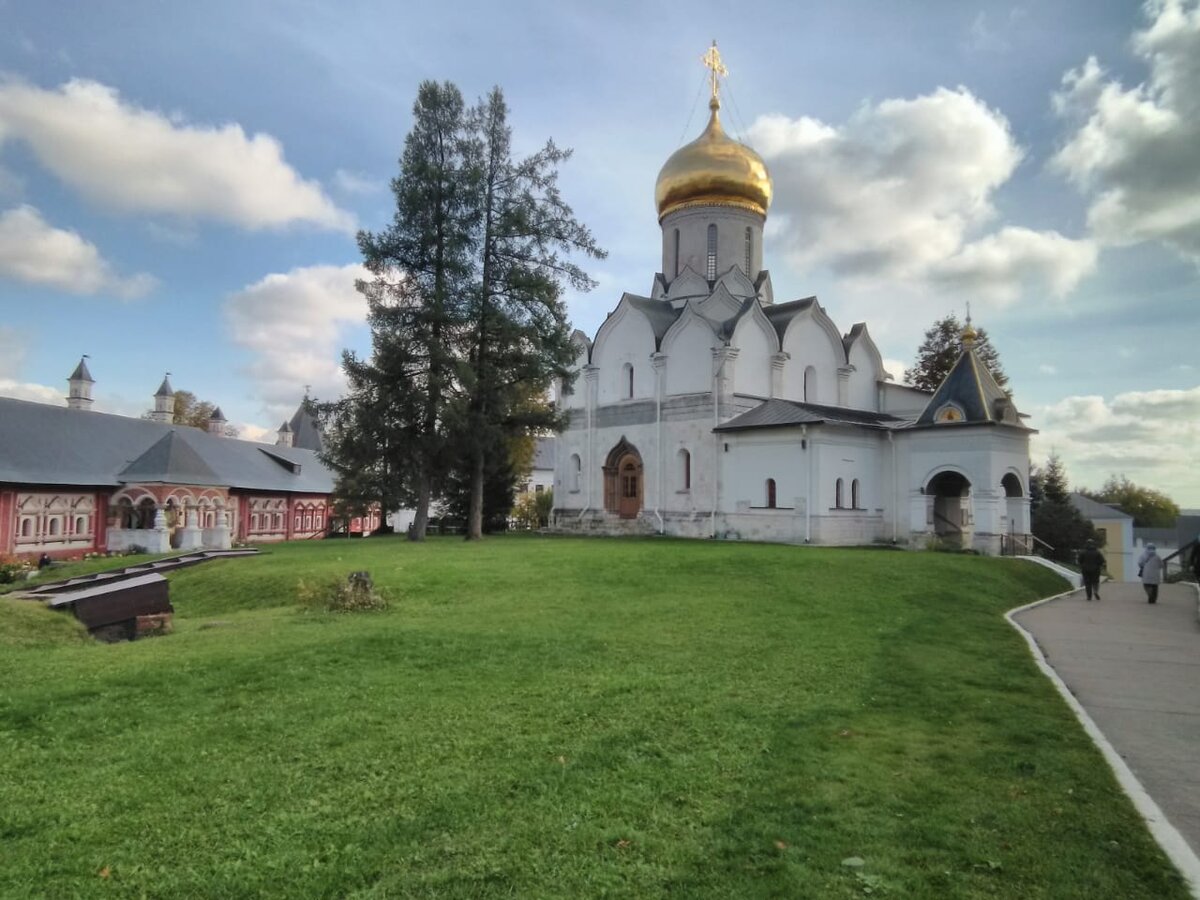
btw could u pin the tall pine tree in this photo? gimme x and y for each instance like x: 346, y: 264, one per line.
x: 422, y: 268
x: 520, y: 338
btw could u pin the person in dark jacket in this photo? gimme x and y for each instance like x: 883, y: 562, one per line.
x: 1091, y: 564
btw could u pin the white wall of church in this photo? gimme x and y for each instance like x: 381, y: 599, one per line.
x: 808, y: 344
x: 752, y: 368
x: 863, y: 390
x: 689, y: 357
x: 629, y: 341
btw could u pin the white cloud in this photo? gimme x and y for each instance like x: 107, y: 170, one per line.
x: 39, y: 393
x: 293, y: 323
x: 132, y: 159
x: 1138, y: 433
x: 33, y: 251
x: 898, y: 193
x: 1134, y: 151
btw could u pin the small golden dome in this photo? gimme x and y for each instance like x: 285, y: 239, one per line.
x: 713, y: 170
x: 969, y: 335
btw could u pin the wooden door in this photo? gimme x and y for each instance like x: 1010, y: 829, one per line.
x: 629, y: 487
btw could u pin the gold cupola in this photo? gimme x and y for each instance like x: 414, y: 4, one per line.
x: 714, y: 169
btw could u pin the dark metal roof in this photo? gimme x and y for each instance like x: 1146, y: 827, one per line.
x: 1093, y: 509
x: 164, y: 389
x: 971, y: 387
x: 81, y: 372
x: 306, y: 433
x: 170, y: 460
x: 43, y: 444
x: 777, y: 413
x: 217, y: 416
x: 782, y: 313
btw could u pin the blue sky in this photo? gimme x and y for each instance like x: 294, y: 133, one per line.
x: 180, y: 184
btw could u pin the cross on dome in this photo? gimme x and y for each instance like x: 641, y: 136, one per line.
x: 712, y: 61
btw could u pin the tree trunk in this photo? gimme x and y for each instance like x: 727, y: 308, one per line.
x: 421, y: 519
x: 475, y: 510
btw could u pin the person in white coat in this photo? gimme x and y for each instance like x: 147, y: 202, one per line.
x: 1150, y: 567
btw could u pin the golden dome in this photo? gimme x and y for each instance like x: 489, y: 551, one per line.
x: 713, y: 170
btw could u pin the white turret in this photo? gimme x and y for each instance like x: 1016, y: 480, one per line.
x: 164, y: 402
x: 79, y: 393
x: 285, y: 436
x: 216, y: 423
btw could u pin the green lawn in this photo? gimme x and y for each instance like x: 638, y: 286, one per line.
x: 561, y: 718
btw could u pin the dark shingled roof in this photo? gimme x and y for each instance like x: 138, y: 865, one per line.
x: 217, y: 416
x: 81, y: 372
x: 164, y: 389
x: 777, y: 413
x: 43, y: 444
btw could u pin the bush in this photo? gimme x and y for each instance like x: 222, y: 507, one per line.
x: 12, y: 569
x: 356, y: 594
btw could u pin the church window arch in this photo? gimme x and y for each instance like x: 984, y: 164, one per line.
x: 810, y: 384
x: 855, y: 499
x: 749, y: 250
x: 770, y: 493
x: 81, y: 525
x: 949, y: 413
x: 685, y: 470
x: 710, y: 267
x: 575, y: 470
x: 839, y: 494
x: 627, y: 380
x: 55, y: 526
x: 27, y: 527
x: 676, y: 252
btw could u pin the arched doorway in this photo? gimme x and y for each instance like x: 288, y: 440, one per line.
x: 951, y: 493
x: 623, y: 481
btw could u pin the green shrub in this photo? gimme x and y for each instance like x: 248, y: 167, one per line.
x: 354, y: 594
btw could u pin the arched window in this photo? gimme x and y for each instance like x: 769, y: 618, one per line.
x: 254, y: 521
x: 81, y: 525
x: 839, y: 495
x: 54, y: 526
x: 749, y: 250
x: 27, y: 528
x: 676, y: 252
x: 770, y: 493
x: 627, y: 380
x: 711, y: 266
x: 810, y: 384
x: 685, y: 470
x: 574, y: 472
x: 855, y: 502
x: 299, y: 522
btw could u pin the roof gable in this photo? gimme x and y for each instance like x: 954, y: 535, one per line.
x: 170, y: 460
x: 969, y: 395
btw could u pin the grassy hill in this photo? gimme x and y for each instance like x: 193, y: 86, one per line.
x: 563, y: 718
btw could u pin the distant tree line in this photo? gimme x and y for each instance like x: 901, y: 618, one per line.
x: 468, y: 324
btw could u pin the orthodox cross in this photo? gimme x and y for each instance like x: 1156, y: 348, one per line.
x: 712, y: 61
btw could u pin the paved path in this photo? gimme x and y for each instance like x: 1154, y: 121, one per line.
x: 1135, y: 668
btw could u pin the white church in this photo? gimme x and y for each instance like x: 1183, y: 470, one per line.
x: 709, y: 410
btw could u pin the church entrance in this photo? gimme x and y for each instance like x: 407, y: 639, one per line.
x: 623, y: 473
x: 951, y: 495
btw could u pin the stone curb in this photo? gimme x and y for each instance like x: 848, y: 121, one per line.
x: 1168, y: 837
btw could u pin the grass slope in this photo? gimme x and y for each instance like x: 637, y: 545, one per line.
x: 566, y: 718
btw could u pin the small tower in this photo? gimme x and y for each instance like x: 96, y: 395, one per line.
x: 164, y: 402
x: 285, y: 436
x: 79, y: 386
x: 216, y: 423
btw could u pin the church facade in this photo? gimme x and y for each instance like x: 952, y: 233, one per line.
x: 706, y: 409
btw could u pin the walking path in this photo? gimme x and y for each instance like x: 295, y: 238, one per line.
x: 1135, y: 669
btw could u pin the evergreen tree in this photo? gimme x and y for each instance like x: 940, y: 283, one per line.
x: 1054, y: 519
x: 422, y: 268
x: 940, y: 349
x: 520, y: 338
